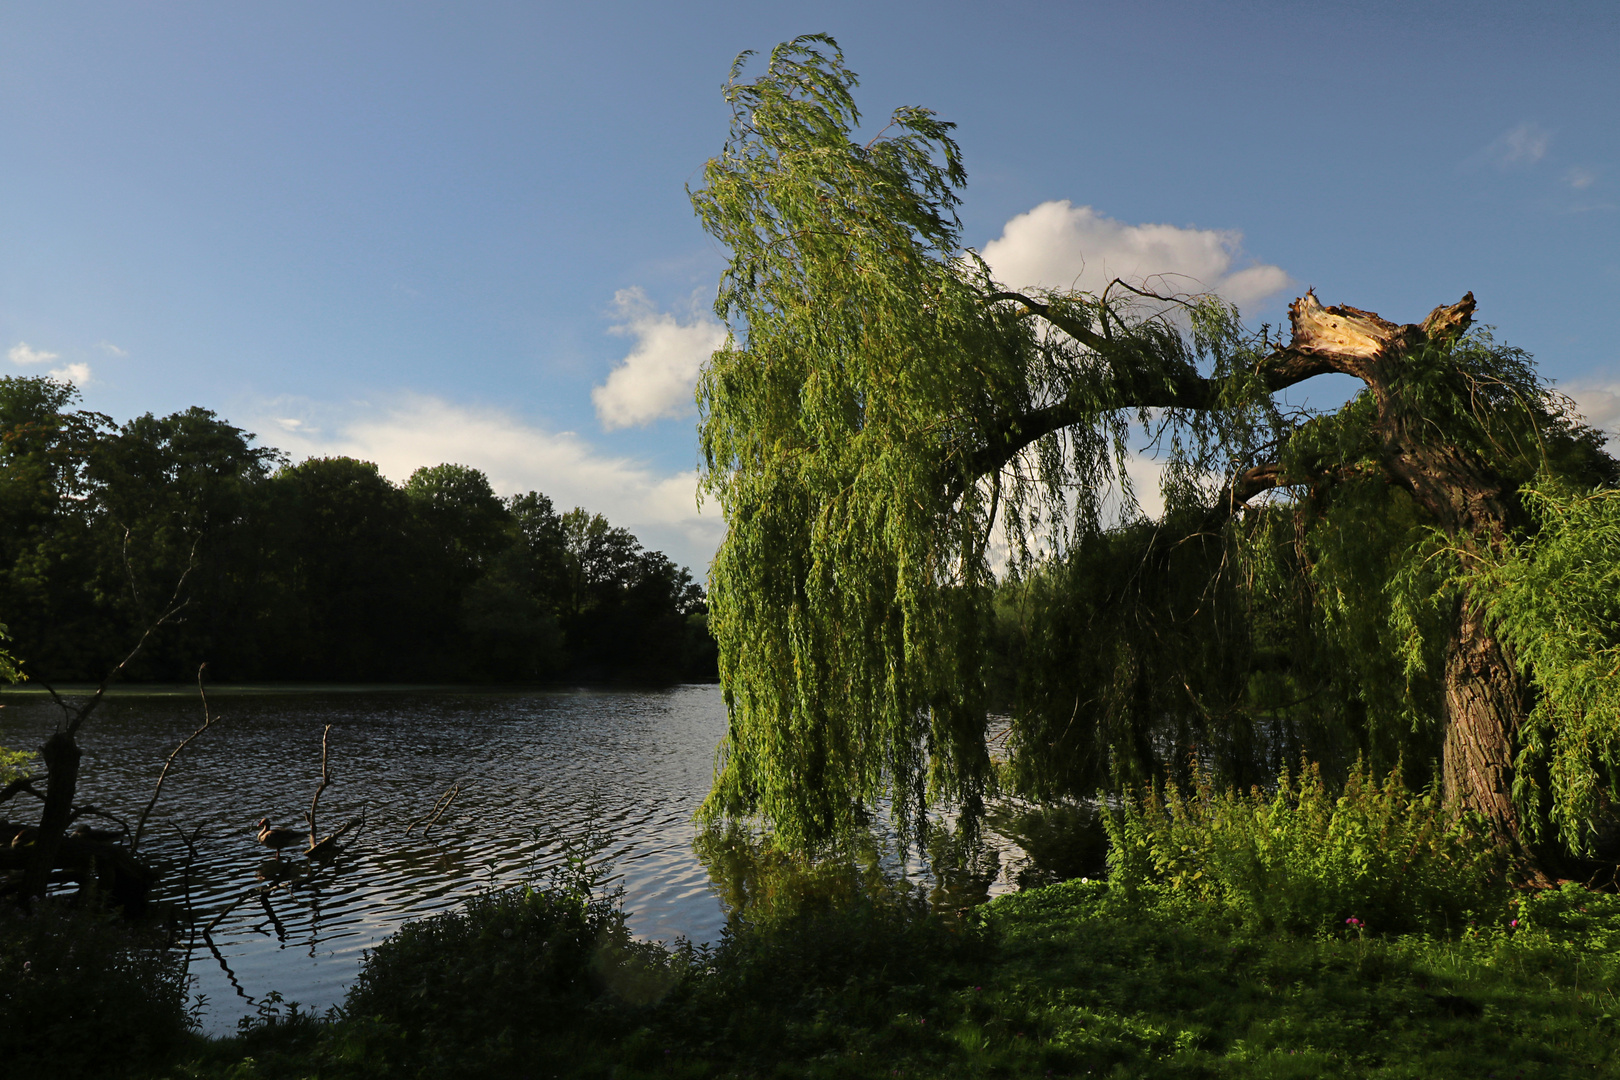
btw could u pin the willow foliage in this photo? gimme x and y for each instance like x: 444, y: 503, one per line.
x: 844, y: 432
x: 1555, y: 598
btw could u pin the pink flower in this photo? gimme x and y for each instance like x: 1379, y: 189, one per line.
x: 1352, y: 921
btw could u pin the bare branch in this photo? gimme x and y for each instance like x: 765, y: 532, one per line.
x: 325, y: 779
x: 208, y: 718
x: 437, y: 812
x: 20, y: 786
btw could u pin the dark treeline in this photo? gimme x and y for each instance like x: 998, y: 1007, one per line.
x: 324, y: 570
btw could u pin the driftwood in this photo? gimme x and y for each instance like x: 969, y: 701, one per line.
x: 328, y: 844
x: 61, y: 755
x: 437, y: 812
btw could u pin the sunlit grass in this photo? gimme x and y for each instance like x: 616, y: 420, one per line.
x: 1050, y: 982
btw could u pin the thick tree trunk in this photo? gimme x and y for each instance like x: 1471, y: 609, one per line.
x: 1485, y: 700
x: 61, y: 754
x: 1486, y: 697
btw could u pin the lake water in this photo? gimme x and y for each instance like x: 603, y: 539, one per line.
x: 630, y: 767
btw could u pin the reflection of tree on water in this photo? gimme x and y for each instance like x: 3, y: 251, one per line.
x: 1061, y: 840
x: 950, y: 870
x: 272, y: 918
x: 225, y: 966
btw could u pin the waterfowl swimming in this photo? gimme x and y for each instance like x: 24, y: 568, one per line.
x: 275, y: 839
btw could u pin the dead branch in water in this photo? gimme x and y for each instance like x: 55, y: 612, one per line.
x: 437, y: 812
x: 328, y: 844
x: 208, y: 718
x: 325, y: 779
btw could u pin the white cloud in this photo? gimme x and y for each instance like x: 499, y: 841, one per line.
x: 413, y: 430
x: 1525, y: 144
x: 657, y: 379
x: 77, y: 374
x: 23, y: 353
x: 1599, y: 405
x: 1580, y: 179
x: 110, y: 349
x: 1059, y: 245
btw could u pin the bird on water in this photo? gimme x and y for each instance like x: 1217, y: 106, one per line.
x: 275, y: 839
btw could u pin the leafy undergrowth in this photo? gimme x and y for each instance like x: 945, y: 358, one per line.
x: 1060, y: 981
x: 84, y: 994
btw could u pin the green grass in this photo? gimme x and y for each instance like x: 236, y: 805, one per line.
x: 1295, y: 933
x: 1052, y: 982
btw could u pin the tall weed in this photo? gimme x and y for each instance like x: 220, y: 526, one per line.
x: 1377, y: 856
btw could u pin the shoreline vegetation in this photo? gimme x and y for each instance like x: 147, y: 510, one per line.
x: 1219, y: 945
x: 184, y: 533
x: 268, y: 689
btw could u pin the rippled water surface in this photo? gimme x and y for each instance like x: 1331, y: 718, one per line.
x: 531, y: 767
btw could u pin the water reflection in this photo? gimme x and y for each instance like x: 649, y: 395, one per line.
x: 458, y: 792
x: 951, y: 870
x: 528, y: 766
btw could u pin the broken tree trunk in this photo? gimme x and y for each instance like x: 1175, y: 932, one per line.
x: 1486, y: 696
x: 61, y: 755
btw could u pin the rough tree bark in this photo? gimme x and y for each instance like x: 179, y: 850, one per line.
x: 1486, y: 697
x: 1485, y: 700
x: 61, y: 755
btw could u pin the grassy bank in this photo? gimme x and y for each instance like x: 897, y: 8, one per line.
x: 1294, y: 933
x: 1060, y: 981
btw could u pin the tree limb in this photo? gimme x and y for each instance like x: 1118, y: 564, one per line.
x: 19, y: 786
x: 208, y: 718
x: 1326, y: 340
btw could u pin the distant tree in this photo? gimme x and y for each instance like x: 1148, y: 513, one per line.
x: 462, y: 514
x: 178, y: 497
x: 322, y: 571
x: 47, y: 558
x: 358, y: 573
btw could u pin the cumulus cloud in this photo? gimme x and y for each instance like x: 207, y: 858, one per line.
x: 1525, y: 144
x: 77, y: 374
x: 412, y: 430
x: 1058, y: 245
x: 23, y: 353
x: 656, y: 380
x: 1599, y: 405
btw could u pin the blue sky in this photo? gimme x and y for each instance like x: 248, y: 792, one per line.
x: 419, y: 232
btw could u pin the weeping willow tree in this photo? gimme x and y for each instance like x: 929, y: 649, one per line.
x: 885, y: 410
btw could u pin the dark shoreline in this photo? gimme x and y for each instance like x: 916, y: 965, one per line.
x: 268, y: 689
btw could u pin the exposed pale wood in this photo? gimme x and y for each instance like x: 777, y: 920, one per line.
x: 326, y: 778
x: 1485, y: 694
x: 1344, y: 333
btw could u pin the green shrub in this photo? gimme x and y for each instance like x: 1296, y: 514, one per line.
x: 513, y: 964
x: 1586, y: 920
x: 83, y: 993
x: 821, y: 956
x: 1302, y: 860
